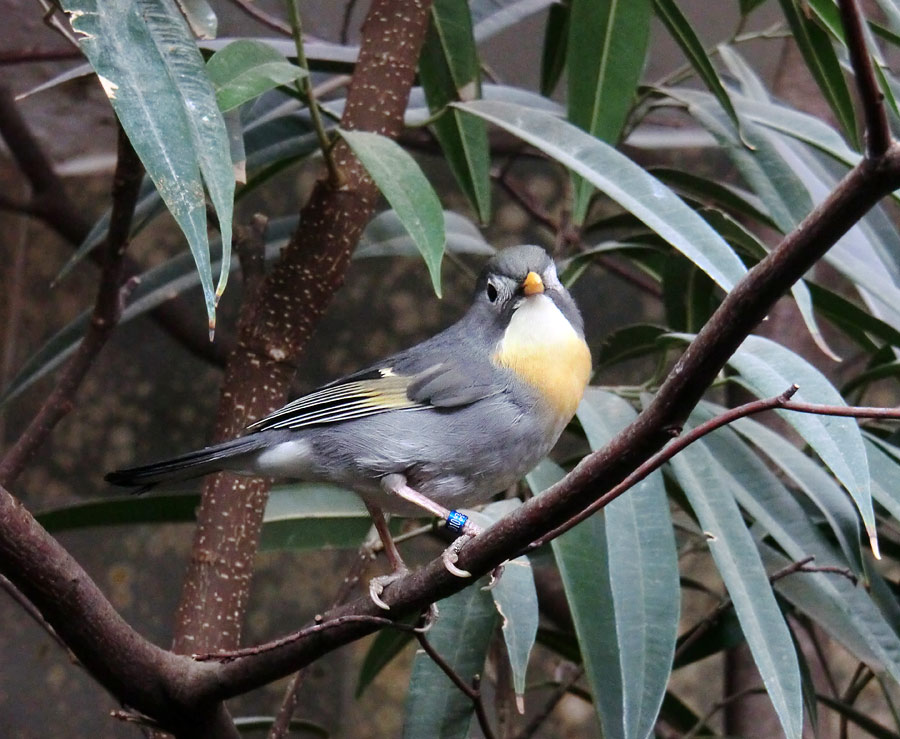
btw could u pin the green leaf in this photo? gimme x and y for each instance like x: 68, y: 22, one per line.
x: 683, y: 32
x: 450, y: 72
x: 643, y: 573
x: 815, y: 45
x: 608, y: 42
x: 435, y: 707
x: 762, y: 166
x: 119, y: 511
x: 710, y: 192
x: 154, y: 77
x: 555, y: 48
x: 582, y: 557
x: 385, y: 236
x: 490, y: 17
x: 200, y: 17
x: 516, y: 601
x: 811, y: 479
x: 622, y: 180
x: 246, y: 69
x: 738, y: 561
x: 314, y: 516
x: 409, y: 193
x: 768, y: 369
x: 885, y: 469
x: 627, y: 343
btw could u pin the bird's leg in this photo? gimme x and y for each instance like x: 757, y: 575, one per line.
x: 398, y: 566
x: 456, y: 521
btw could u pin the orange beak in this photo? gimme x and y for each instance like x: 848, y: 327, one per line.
x: 532, y: 284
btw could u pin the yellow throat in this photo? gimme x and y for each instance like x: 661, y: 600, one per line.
x: 543, y: 349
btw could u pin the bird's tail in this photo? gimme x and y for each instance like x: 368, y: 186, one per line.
x: 224, y: 456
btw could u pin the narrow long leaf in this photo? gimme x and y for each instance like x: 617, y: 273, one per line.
x: 768, y: 369
x: 582, y: 557
x: 154, y: 77
x: 608, y: 39
x: 643, y: 567
x: 435, y: 707
x: 815, y: 45
x: 409, y: 193
x: 622, y: 180
x: 449, y: 70
x: 739, y: 563
x: 683, y: 32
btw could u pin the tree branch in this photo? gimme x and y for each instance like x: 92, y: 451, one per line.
x: 276, y: 326
x: 107, y: 309
x: 878, y: 132
x: 51, y: 204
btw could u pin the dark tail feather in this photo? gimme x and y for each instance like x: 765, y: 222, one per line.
x: 188, y: 466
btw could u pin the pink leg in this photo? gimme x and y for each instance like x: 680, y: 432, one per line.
x: 396, y: 484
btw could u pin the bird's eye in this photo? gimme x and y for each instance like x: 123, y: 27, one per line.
x: 491, y: 292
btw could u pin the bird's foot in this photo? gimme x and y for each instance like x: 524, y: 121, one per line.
x: 378, y: 584
x: 459, y: 523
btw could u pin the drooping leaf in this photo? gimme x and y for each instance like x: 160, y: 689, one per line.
x: 154, y: 77
x: 686, y: 37
x: 581, y: 555
x: 435, y: 707
x: 450, y: 72
x: 313, y: 516
x: 815, y: 45
x: 622, y: 180
x: 122, y: 510
x: 246, y: 69
x: 810, y: 478
x: 516, y: 601
x: 387, y: 645
x: 643, y: 572
x: 200, y: 17
x: 385, y: 236
x: 768, y: 369
x: 409, y: 193
x: 555, y: 49
x: 738, y: 561
x: 608, y: 42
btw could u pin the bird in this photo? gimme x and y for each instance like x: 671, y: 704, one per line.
x: 446, y: 424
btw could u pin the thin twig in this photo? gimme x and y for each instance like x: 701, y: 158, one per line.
x: 878, y: 132
x: 304, y: 86
x: 35, y: 615
x: 861, y: 677
x: 472, y: 692
x: 282, y: 724
x: 779, y: 402
x: 708, y: 621
x: 348, y: 18
x: 107, y: 310
x: 701, y: 722
x: 235, y: 654
x: 263, y: 17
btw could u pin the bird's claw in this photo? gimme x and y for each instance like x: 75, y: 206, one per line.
x: 378, y: 584
x: 451, y: 555
x: 496, y: 574
x: 429, y: 619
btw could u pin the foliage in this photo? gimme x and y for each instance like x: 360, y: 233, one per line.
x: 750, y: 499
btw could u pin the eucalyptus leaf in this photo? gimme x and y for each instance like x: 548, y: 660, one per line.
x: 739, y: 563
x: 622, y: 180
x: 608, y: 40
x: 246, y: 69
x: 409, y: 193
x: 154, y: 77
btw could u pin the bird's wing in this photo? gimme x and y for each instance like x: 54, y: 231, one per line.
x: 380, y: 390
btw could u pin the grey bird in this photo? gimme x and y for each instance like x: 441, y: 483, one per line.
x: 447, y: 423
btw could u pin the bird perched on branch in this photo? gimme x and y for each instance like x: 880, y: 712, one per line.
x: 447, y: 423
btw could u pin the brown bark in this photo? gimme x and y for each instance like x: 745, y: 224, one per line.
x: 276, y: 325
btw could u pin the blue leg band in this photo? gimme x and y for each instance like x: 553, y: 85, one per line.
x: 456, y: 521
